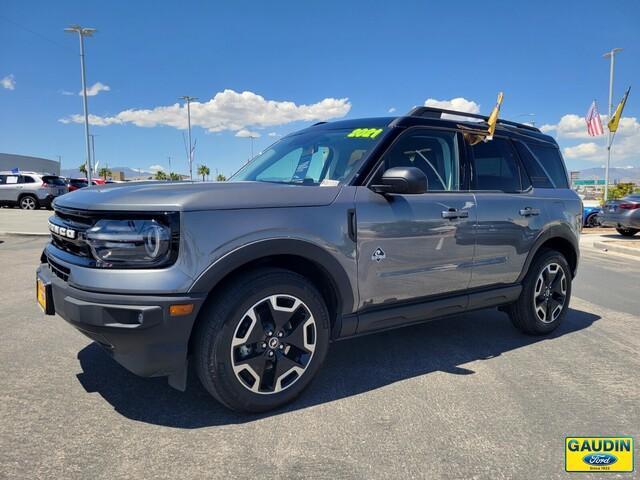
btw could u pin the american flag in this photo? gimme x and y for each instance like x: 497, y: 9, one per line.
x: 594, y: 124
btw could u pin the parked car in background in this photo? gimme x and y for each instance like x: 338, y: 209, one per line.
x: 623, y: 214
x: 76, y: 183
x: 591, y: 210
x: 30, y: 190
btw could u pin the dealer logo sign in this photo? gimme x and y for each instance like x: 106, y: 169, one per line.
x: 598, y: 454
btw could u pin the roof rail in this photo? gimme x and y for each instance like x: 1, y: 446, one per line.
x: 433, y: 112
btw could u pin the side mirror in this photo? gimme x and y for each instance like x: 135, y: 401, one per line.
x: 409, y: 180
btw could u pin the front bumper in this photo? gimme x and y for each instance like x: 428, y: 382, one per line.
x: 136, y: 330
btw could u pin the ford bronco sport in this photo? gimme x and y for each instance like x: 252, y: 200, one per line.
x: 341, y: 229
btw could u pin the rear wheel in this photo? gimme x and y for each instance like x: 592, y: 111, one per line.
x: 261, y: 340
x: 545, y: 296
x: 627, y: 232
x: 28, y: 202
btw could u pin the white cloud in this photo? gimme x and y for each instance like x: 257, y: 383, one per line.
x: 155, y: 168
x: 272, y: 134
x: 244, y: 133
x: 227, y: 110
x: 391, y: 110
x: 572, y: 127
x: 95, y: 89
x: 458, y: 104
x: 8, y: 82
x: 67, y: 92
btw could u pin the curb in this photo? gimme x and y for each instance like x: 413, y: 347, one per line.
x: 617, y: 248
x: 23, y: 234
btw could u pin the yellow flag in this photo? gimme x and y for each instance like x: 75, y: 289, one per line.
x: 615, y: 120
x: 493, y: 118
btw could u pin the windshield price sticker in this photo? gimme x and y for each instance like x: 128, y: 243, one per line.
x: 365, y: 133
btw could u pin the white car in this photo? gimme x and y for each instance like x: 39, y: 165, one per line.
x: 30, y: 190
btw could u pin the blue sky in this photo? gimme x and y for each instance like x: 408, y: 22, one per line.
x: 331, y: 59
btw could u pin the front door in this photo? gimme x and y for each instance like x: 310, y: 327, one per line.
x: 415, y: 246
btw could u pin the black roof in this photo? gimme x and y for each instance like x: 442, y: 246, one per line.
x: 428, y: 116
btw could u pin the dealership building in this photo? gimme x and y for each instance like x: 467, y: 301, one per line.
x: 9, y: 161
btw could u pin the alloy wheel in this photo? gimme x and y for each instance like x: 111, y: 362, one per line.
x: 273, y: 344
x: 550, y: 293
x: 28, y: 203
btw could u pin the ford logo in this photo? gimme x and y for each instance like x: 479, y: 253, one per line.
x: 600, y: 459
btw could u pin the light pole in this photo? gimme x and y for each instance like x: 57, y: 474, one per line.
x: 612, y: 56
x: 189, y: 99
x: 169, y: 157
x: 84, y: 32
x: 93, y: 150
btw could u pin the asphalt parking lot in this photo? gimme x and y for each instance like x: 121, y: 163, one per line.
x: 464, y: 397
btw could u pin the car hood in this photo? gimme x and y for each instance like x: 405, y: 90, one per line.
x: 187, y: 196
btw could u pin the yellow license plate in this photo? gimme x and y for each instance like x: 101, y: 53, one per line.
x: 41, y: 294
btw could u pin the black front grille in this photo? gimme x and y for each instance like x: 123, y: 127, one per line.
x: 79, y: 222
x: 58, y: 270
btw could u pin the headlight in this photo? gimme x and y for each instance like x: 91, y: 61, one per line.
x: 130, y: 243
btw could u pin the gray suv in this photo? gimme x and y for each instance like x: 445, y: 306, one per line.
x: 30, y: 190
x: 341, y: 229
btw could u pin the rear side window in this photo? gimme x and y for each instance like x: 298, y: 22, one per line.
x: 26, y: 179
x: 53, y: 180
x: 496, y: 167
x: 544, y: 164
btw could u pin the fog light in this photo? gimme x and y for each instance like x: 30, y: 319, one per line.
x: 182, y: 309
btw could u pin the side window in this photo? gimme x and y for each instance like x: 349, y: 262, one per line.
x: 26, y: 179
x: 435, y: 152
x: 3, y: 179
x: 11, y: 179
x: 549, y: 158
x: 538, y: 174
x: 496, y: 167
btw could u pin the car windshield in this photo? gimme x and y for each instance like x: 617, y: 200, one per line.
x: 317, y: 157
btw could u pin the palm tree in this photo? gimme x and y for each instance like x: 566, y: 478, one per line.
x: 174, y: 176
x: 221, y: 178
x: 104, y: 172
x: 204, y: 171
x: 160, y: 175
x: 83, y: 169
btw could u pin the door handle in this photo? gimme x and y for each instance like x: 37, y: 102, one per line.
x: 455, y: 213
x: 528, y: 211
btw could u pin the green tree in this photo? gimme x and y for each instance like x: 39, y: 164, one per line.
x: 160, y: 175
x: 104, y: 172
x: 83, y: 170
x: 204, y: 171
x: 621, y: 190
x: 174, y: 176
x: 221, y: 178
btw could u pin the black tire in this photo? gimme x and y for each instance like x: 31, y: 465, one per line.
x: 592, y: 221
x: 29, y: 202
x: 627, y: 232
x: 524, y: 312
x: 225, y: 318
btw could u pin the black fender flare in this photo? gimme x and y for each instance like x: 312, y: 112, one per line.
x: 558, y: 231
x: 324, y: 260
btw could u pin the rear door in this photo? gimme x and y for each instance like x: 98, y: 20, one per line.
x: 510, y: 214
x: 413, y: 246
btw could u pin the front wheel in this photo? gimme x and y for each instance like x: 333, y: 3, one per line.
x: 545, y: 296
x: 261, y: 340
x: 627, y: 232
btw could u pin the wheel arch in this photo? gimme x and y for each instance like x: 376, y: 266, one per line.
x: 560, y: 238
x: 300, y: 256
